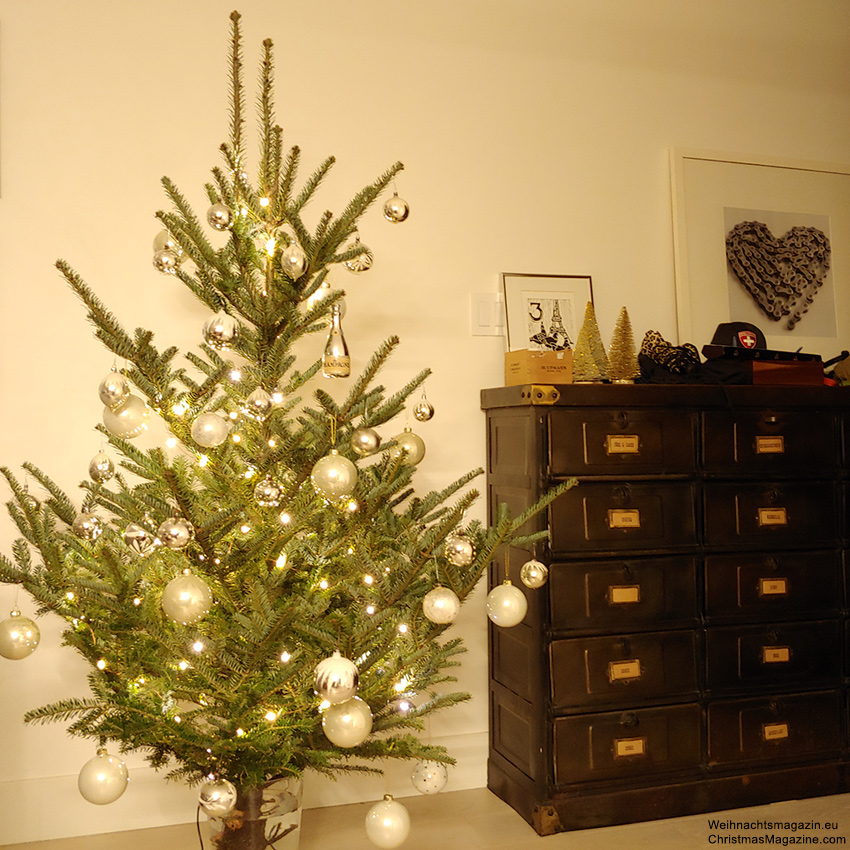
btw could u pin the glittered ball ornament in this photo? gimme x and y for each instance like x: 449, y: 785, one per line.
x: 334, y: 476
x: 114, y: 389
x: 19, y: 636
x: 347, y: 724
x: 337, y: 679
x: 210, y: 430
x: 139, y: 539
x: 166, y: 262
x: 387, y: 823
x: 533, y: 574
x: 176, y: 533
x: 128, y: 420
x: 220, y: 330
x: 363, y: 261
x: 101, y: 468
x: 459, y: 550
x: 441, y: 605
x: 186, y: 599
x: 506, y: 605
x: 396, y: 209
x: 429, y: 777
x: 217, y: 797
x: 87, y: 526
x: 103, y: 779
x: 411, y: 445
x: 365, y: 441
x: 219, y: 217
x: 268, y: 493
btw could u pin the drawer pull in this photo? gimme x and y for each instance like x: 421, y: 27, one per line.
x: 622, y: 444
x: 770, y: 445
x: 626, y: 747
x: 619, y: 671
x: 774, y: 731
x: 623, y: 518
x: 773, y: 587
x: 773, y: 516
x: 623, y: 594
x: 775, y: 654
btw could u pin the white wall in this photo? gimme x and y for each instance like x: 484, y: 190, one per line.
x: 535, y: 135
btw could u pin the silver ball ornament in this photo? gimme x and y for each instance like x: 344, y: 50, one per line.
x: 459, y: 550
x: 337, y: 679
x: 114, y: 389
x: 441, y: 605
x: 101, y: 468
x: 533, y: 574
x: 411, y: 445
x: 87, y: 527
x: 210, y: 430
x: 176, y: 533
x: 387, y: 823
x: 217, y: 797
x: 363, y: 261
x: 347, y: 724
x: 220, y: 330
x: 139, y: 539
x: 334, y: 476
x: 166, y: 262
x: 506, y: 605
x: 219, y: 217
x: 365, y: 441
x: 103, y: 779
x: 19, y: 636
x: 186, y: 599
x: 396, y: 209
x: 293, y: 260
x: 429, y: 777
x: 259, y: 404
x: 164, y: 241
x: 268, y: 493
x: 423, y: 410
x: 128, y: 420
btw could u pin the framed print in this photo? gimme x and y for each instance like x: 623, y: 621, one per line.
x: 764, y: 241
x: 544, y: 312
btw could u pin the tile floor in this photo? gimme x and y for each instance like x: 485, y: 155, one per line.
x: 475, y: 820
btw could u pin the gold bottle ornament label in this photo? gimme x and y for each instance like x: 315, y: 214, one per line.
x: 336, y: 366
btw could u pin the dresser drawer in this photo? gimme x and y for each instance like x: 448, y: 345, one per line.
x: 771, y: 514
x: 622, y: 595
x: 622, y: 670
x: 783, y: 656
x: 776, y: 586
x: 619, y: 744
x: 620, y: 441
x: 770, y: 443
x: 790, y: 726
x: 601, y: 517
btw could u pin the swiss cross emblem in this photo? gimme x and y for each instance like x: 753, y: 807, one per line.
x: 747, y: 339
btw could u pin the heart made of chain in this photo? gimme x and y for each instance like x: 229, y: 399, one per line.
x: 784, y: 274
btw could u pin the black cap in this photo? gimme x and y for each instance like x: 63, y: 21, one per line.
x: 739, y: 335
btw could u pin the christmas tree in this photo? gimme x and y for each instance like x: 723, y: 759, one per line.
x: 622, y: 356
x: 590, y: 363
x: 266, y: 594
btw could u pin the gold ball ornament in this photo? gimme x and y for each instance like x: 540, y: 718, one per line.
x: 19, y: 636
x: 164, y: 241
x: 128, y: 419
x: 176, y: 533
x: 220, y: 330
x: 186, y: 599
x: 337, y: 679
x: 347, y: 724
x: 387, y: 823
x: 219, y: 217
x: 423, y: 410
x: 506, y: 605
x: 334, y: 476
x: 411, y: 444
x: 259, y: 404
x: 365, y: 441
x: 217, y: 797
x: 87, y: 527
x: 396, y: 209
x: 166, y: 262
x: 101, y: 468
x: 533, y: 574
x: 103, y: 779
x: 114, y: 389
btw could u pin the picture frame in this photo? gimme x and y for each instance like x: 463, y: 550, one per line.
x: 713, y: 192
x: 544, y: 312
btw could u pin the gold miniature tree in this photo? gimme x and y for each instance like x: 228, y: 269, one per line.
x: 622, y: 356
x: 590, y: 363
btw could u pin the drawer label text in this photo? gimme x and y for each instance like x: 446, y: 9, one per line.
x: 770, y: 445
x: 773, y: 516
x: 773, y: 586
x: 775, y: 654
x: 623, y: 594
x: 622, y: 518
x: 774, y: 731
x: 623, y: 670
x: 624, y: 747
x: 622, y: 444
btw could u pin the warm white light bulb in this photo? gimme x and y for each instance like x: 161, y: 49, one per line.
x: 370, y: 609
x: 183, y: 665
x: 271, y: 716
x: 280, y: 563
x: 198, y: 646
x: 235, y: 375
x: 402, y: 627
x: 171, y: 442
x: 245, y: 529
x: 368, y: 580
x: 285, y: 656
x: 285, y: 518
x: 323, y: 584
x: 203, y: 460
x: 101, y: 664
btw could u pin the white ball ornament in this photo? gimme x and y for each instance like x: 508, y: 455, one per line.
x: 365, y: 441
x: 176, y: 533
x: 429, y: 777
x: 129, y: 419
x: 19, y: 636
x: 441, y: 605
x: 347, y: 724
x: 506, y: 605
x: 87, y: 527
x: 220, y: 330
x: 533, y: 574
x: 210, y: 430
x: 114, y: 389
x: 387, y: 823
x: 101, y: 468
x: 411, y: 445
x: 337, y: 679
x: 334, y: 476
x: 186, y: 599
x: 217, y: 797
x: 103, y: 779
x: 459, y: 550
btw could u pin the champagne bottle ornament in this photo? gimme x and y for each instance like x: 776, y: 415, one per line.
x: 128, y: 419
x: 87, y: 526
x: 533, y: 574
x: 396, y: 209
x: 176, y: 533
x: 411, y: 445
x: 347, y: 724
x: 337, y: 679
x: 210, y: 430
x: 101, y: 468
x: 103, y: 779
x: 429, y: 777
x: 186, y: 599
x: 336, y: 362
x: 506, y: 605
x: 217, y: 796
x: 219, y: 217
x: 363, y: 261
x: 220, y: 330
x: 334, y: 476
x: 387, y: 823
x: 19, y: 636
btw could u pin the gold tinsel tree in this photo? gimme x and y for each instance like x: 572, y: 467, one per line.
x: 622, y: 356
x: 590, y: 363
